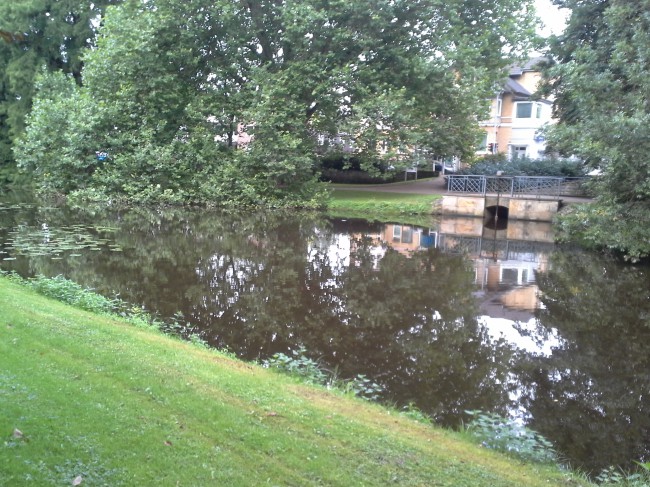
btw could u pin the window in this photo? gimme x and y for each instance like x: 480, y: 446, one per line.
x: 497, y: 107
x: 402, y: 234
x: 519, y: 151
x: 509, y: 276
x: 483, y: 143
x: 528, y: 109
x: 407, y: 235
x: 397, y: 233
x: 524, y: 110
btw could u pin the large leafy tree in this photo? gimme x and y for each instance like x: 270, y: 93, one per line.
x: 602, y: 84
x: 37, y: 34
x: 169, y: 79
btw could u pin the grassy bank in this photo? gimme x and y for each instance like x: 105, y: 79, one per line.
x: 381, y: 202
x: 92, y: 400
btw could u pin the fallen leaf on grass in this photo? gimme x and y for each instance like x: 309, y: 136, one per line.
x: 168, y: 443
x: 77, y: 480
x: 18, y: 434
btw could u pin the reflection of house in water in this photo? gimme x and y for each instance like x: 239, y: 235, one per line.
x: 406, y: 238
x: 505, y: 262
x: 507, y: 289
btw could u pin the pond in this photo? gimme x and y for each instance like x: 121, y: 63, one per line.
x: 447, y: 317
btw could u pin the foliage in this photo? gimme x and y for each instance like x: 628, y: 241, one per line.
x: 600, y: 82
x: 48, y: 35
x: 364, y: 387
x: 363, y: 177
x: 56, y: 147
x: 506, y: 435
x: 169, y: 82
x: 298, y: 364
x: 413, y: 412
x: 619, y: 477
x: 71, y: 293
x: 623, y: 229
x: 524, y: 166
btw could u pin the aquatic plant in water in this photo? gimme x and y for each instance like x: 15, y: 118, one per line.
x: 54, y: 242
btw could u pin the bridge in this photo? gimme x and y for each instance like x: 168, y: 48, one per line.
x: 535, y: 198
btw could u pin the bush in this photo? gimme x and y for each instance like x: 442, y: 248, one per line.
x: 362, y: 177
x: 299, y: 365
x: 69, y: 292
x: 523, y: 166
x: 359, y: 177
x: 511, y: 438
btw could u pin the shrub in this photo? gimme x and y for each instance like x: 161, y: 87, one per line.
x: 505, y: 435
x: 69, y: 292
x: 523, y: 166
x: 299, y: 365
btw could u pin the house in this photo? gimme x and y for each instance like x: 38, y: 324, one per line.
x: 517, y: 115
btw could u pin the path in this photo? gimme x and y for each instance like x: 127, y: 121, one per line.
x: 425, y: 186
x: 421, y: 186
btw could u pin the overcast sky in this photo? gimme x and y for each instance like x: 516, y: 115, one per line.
x: 553, y: 18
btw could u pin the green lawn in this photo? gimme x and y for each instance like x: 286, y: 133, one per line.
x: 381, y: 202
x: 92, y: 400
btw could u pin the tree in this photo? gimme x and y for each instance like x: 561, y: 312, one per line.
x: 169, y: 78
x: 601, y: 82
x: 37, y: 34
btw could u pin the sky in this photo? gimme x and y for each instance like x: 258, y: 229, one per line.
x: 552, y: 17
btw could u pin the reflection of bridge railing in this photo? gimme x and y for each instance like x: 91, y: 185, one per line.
x: 516, y: 186
x: 525, y: 251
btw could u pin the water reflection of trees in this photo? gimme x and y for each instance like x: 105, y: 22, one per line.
x: 594, y: 389
x: 267, y: 282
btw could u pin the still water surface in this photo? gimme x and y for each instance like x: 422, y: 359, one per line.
x: 448, y: 317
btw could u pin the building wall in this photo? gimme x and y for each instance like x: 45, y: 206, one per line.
x: 512, y: 134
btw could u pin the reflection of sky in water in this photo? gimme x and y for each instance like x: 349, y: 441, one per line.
x: 523, y: 335
x: 339, y: 249
x: 514, y: 324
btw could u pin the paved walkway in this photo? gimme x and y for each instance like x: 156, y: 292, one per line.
x: 421, y: 186
x: 426, y: 186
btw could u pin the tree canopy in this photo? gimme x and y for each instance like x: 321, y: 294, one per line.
x: 170, y: 82
x: 602, y: 87
x: 36, y: 34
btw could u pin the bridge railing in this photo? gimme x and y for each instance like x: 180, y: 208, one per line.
x: 516, y: 186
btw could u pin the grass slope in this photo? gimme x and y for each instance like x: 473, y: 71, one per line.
x: 90, y: 400
x: 382, y: 202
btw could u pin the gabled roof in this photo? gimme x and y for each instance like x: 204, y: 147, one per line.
x: 511, y: 86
